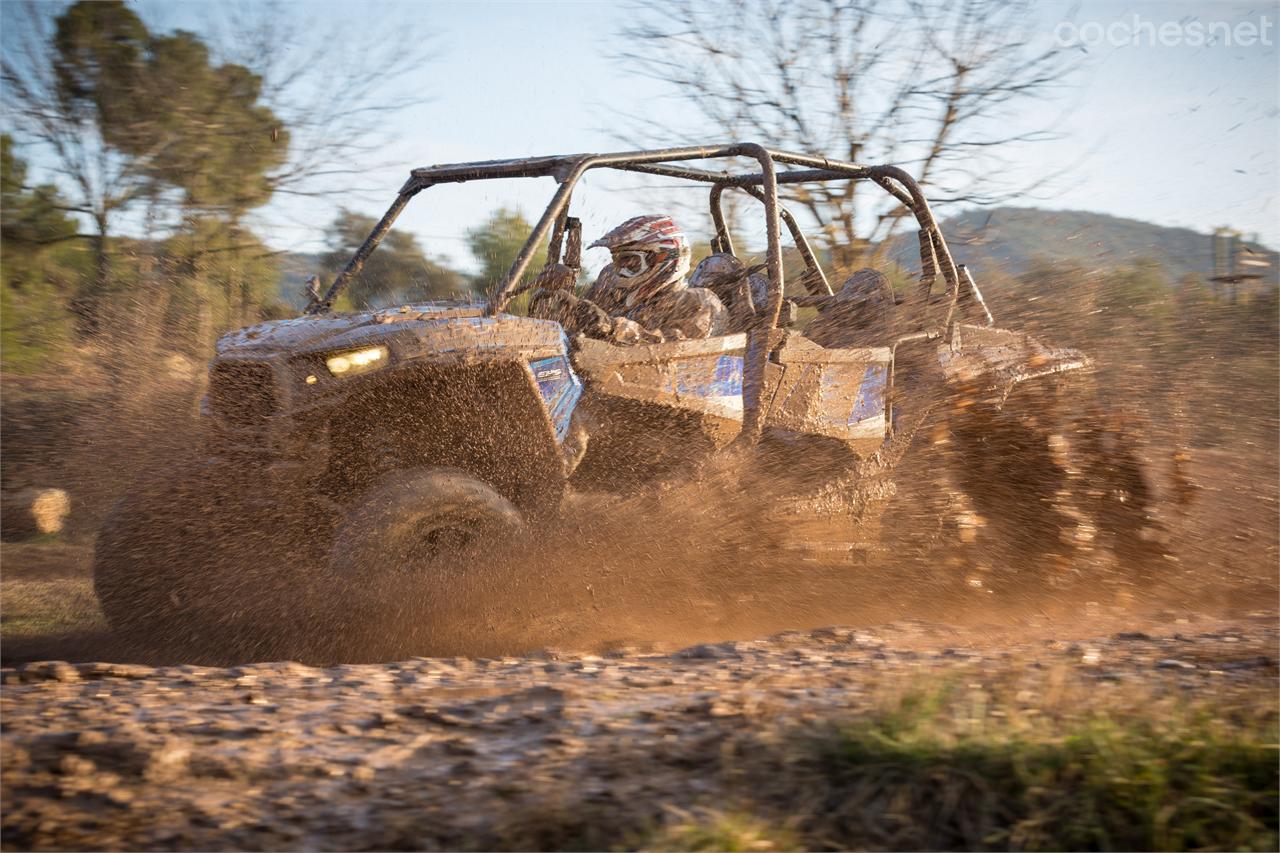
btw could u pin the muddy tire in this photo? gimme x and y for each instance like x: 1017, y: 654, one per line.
x: 1125, y: 512
x: 421, y: 521
x: 417, y: 561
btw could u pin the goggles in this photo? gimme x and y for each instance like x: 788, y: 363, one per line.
x: 632, y: 264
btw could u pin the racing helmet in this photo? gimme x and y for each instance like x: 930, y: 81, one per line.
x: 650, y: 254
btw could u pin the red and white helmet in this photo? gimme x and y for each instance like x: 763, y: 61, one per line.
x: 650, y: 254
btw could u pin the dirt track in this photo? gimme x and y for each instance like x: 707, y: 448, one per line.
x: 556, y: 750
x: 538, y: 751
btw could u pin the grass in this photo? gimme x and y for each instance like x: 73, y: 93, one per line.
x: 961, y: 768
x: 712, y: 830
x: 38, y: 609
x: 46, y: 597
x: 922, y: 774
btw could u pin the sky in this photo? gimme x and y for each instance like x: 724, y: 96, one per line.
x: 1176, y: 134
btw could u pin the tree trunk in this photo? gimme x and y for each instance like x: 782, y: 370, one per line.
x: 87, y: 306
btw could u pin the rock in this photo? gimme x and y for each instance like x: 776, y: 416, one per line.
x: 1170, y: 663
x: 115, y: 670
x: 1259, y: 662
x: 75, y: 765
x: 50, y: 670
x: 33, y: 512
x: 711, y: 651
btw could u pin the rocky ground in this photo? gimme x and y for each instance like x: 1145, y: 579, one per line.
x: 551, y: 750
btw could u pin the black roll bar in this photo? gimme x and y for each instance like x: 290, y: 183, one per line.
x: 567, y: 170
x: 816, y: 284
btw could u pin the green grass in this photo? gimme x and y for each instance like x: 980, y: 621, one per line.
x: 924, y: 774
x: 962, y: 767
x: 712, y: 830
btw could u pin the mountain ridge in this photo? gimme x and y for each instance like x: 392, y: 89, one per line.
x: 1012, y: 239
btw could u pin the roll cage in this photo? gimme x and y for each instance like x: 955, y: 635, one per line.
x: 567, y: 170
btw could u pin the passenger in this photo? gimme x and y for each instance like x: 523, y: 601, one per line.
x: 743, y: 294
x: 860, y: 315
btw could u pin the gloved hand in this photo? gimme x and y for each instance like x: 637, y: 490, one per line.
x: 575, y: 314
x: 627, y: 332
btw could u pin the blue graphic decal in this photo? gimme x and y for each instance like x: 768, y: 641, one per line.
x: 703, y: 378
x: 870, y: 401
x: 560, y: 389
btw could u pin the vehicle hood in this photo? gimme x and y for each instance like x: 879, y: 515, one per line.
x: 433, y: 326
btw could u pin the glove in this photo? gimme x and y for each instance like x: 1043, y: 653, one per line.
x: 627, y: 332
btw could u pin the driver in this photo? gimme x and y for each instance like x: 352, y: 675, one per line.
x: 643, y: 290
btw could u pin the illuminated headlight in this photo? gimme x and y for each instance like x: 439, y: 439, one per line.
x: 356, y: 361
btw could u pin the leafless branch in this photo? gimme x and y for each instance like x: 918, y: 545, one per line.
x: 930, y: 84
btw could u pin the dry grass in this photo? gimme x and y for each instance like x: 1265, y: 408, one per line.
x: 960, y: 765
x: 38, y: 609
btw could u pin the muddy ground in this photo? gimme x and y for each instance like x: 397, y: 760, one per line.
x: 547, y: 750
x: 629, y: 727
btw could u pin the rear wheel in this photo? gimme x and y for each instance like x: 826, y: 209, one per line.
x: 1059, y: 500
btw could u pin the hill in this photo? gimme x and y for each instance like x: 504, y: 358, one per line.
x: 1011, y: 239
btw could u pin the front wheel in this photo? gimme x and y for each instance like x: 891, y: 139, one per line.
x: 421, y: 521
x: 415, y: 556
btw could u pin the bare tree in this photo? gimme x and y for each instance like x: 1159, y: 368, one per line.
x: 98, y: 179
x: 336, y: 89
x: 932, y: 85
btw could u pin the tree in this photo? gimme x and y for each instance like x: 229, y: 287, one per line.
x: 334, y: 87
x: 129, y: 116
x: 67, y: 84
x: 399, y: 271
x: 30, y: 217
x: 495, y: 245
x: 201, y: 129
x: 40, y: 262
x: 179, y: 127
x: 925, y: 84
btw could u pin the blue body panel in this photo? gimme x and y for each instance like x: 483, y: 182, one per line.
x: 560, y: 389
x: 702, y: 378
x: 870, y: 401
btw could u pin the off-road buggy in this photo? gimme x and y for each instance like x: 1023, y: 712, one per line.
x: 402, y: 439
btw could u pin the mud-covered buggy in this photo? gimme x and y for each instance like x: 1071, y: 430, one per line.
x: 401, y: 442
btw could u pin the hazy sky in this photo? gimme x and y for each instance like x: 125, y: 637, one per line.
x: 1175, y: 134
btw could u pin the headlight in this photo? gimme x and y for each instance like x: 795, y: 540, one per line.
x: 356, y: 361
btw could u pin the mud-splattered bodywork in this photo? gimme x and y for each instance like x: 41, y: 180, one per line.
x: 451, y: 388
x: 511, y: 399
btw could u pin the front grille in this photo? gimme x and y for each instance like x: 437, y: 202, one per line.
x: 242, y: 394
